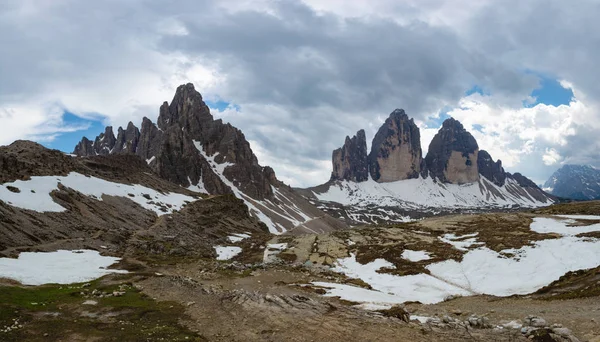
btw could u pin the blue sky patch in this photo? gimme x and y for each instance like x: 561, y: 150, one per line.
x: 433, y: 122
x: 550, y: 93
x: 476, y: 89
x: 66, y: 141
x: 221, y: 105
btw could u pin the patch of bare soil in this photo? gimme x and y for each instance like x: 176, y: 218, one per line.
x: 577, y: 284
x: 573, y: 208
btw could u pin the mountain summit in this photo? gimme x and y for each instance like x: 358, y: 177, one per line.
x: 188, y: 147
x: 578, y: 182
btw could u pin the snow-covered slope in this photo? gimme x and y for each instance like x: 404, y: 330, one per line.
x: 370, y: 202
x: 481, y: 270
x: 285, y: 212
x: 34, y: 194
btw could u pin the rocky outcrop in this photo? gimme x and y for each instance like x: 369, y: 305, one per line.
x: 105, y: 142
x: 150, y: 141
x: 396, y: 149
x: 489, y: 169
x: 102, y: 145
x: 127, y: 140
x: 350, y: 161
x: 452, y: 154
x: 84, y: 148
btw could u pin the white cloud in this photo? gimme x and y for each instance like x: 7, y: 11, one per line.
x: 305, y: 79
x: 551, y: 157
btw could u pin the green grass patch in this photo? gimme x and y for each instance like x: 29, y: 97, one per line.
x: 56, y: 312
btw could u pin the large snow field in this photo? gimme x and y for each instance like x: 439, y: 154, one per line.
x: 425, y: 192
x: 481, y: 271
x: 60, y: 267
x: 35, y: 193
x: 392, y: 288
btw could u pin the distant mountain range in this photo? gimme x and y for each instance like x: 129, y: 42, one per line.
x: 578, y: 182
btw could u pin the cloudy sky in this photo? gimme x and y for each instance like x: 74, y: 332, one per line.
x: 298, y: 76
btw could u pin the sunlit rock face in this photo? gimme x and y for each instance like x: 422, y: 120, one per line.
x: 452, y: 154
x: 396, y: 151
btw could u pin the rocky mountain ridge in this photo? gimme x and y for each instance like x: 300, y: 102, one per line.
x: 578, y: 182
x: 188, y: 147
x: 454, y: 175
x: 453, y: 155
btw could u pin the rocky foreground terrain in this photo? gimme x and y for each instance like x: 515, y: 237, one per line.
x: 279, y: 288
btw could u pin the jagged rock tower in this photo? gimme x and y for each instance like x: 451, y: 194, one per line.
x: 396, y: 150
x: 452, y: 154
x: 350, y: 161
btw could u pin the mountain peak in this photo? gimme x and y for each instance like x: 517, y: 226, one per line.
x: 579, y: 182
x: 191, y: 149
x: 452, y: 154
x: 350, y: 161
x: 396, y: 149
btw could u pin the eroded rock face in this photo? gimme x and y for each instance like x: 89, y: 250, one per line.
x: 177, y: 147
x: 150, y: 142
x: 350, y: 161
x: 452, y: 155
x: 127, y: 140
x: 102, y: 145
x: 396, y: 151
x: 489, y: 169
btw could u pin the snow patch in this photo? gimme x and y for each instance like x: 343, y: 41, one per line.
x: 272, y: 250
x: 415, y: 255
x: 35, y: 193
x: 60, y: 267
x: 227, y: 252
x: 550, y: 225
x: 238, y: 237
x: 388, y: 288
x: 580, y: 217
x: 462, y: 243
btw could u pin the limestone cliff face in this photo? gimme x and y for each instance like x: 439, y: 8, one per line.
x: 396, y: 150
x: 350, y: 161
x: 489, y: 169
x: 452, y: 155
